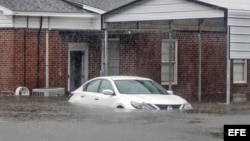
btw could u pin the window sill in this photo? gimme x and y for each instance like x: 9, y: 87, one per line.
x: 167, y: 83
x: 240, y: 82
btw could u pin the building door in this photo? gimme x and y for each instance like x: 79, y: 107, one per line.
x: 77, y: 65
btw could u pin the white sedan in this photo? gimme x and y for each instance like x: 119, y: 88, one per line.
x: 128, y: 92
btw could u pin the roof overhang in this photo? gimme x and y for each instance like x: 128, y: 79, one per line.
x: 6, y: 11
x: 90, y: 8
x: 87, y: 7
x: 49, y: 14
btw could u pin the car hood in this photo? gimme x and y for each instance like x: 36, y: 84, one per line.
x: 156, y: 99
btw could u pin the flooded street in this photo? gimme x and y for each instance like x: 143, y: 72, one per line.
x: 54, y: 119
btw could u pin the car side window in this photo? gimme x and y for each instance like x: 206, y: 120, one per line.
x: 92, y: 86
x: 106, y: 85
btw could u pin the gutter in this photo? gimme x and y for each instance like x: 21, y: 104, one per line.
x: 38, y: 52
x: 25, y: 49
x: 49, y: 14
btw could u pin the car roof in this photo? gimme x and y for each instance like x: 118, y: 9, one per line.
x: 120, y: 77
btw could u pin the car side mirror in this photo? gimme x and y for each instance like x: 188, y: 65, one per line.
x: 170, y: 92
x: 108, y: 92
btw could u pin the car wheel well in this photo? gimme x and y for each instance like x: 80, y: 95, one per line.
x: 120, y: 107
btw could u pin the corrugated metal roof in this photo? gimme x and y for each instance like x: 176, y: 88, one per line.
x: 58, y: 6
x: 230, y: 4
x: 105, y: 5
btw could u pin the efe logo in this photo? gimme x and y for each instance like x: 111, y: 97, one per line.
x: 239, y: 132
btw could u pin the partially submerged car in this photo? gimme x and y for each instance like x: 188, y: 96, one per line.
x: 128, y: 92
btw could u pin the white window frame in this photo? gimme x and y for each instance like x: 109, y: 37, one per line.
x: 244, y: 71
x: 175, y: 62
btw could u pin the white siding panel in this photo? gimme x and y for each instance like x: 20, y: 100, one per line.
x: 239, y: 21
x: 241, y: 47
x: 240, y: 30
x: 74, y: 23
x: 34, y: 22
x: 20, y: 22
x: 163, y: 10
x: 235, y: 38
x: 240, y: 55
x: 96, y: 23
x: 240, y: 42
x: 60, y: 23
x: 239, y: 13
x: 5, y: 21
x: 164, y: 16
x: 230, y: 4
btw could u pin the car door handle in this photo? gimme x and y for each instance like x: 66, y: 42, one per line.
x: 96, y: 98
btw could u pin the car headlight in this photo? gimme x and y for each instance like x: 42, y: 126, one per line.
x: 187, y: 106
x: 143, y: 106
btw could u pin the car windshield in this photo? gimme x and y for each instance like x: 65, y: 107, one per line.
x: 139, y: 87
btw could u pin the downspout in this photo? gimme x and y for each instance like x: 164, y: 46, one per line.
x: 106, y: 53
x: 199, y: 59
x: 47, y: 55
x: 228, y: 66
x: 38, y: 53
x: 104, y: 65
x: 47, y: 59
x: 228, y: 60
x: 170, y: 56
x: 25, y: 54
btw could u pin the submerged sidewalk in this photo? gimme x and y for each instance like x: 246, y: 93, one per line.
x: 220, y: 108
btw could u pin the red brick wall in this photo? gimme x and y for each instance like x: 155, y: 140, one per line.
x: 128, y: 55
x: 213, y: 62
x: 27, y: 76
x: 140, y: 54
x: 214, y: 66
x: 6, y: 59
x: 13, y: 45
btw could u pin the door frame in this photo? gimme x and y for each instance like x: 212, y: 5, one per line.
x: 79, y: 47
